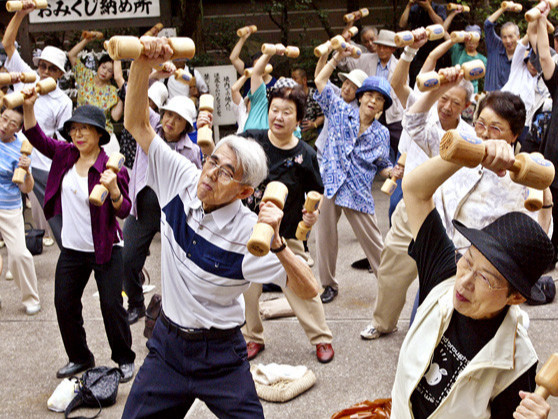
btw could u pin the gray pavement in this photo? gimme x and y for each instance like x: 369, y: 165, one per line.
x: 31, y: 349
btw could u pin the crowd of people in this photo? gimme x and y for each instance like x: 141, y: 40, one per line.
x: 464, y: 232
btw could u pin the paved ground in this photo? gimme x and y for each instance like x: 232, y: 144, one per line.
x: 31, y: 349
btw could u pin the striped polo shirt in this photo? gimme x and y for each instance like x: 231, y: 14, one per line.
x: 10, y: 195
x: 205, y: 265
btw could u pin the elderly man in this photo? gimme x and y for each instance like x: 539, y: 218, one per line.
x: 499, y: 50
x: 467, y: 353
x: 197, y: 349
x: 52, y: 109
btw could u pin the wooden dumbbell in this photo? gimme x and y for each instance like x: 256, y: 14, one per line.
x: 248, y: 71
x: 312, y: 202
x: 535, y: 12
x: 547, y: 378
x: 92, y: 35
x: 353, y: 30
x: 262, y: 234
x: 130, y: 47
x: 528, y: 169
x: 100, y: 192
x: 6, y: 78
x: 154, y: 30
x: 514, y: 7
x: 19, y: 173
x: 462, y: 36
x: 205, y: 134
x: 471, y: 70
x: 404, y: 38
x: 453, y: 6
x: 390, y: 184
x: 334, y: 43
x: 533, y: 199
x: 13, y: 100
x: 359, y: 14
x: 246, y: 30
x: 16, y: 6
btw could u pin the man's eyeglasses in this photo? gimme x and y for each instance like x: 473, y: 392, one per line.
x: 50, y: 68
x: 223, y: 175
x: 494, y: 131
x: 463, y: 253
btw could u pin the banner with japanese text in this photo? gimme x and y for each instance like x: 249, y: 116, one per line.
x: 78, y: 10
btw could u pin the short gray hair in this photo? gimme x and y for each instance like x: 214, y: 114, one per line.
x: 369, y: 28
x: 250, y: 156
x: 468, y: 87
x: 510, y: 25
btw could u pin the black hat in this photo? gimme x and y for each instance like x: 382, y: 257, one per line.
x: 90, y: 115
x: 517, y: 247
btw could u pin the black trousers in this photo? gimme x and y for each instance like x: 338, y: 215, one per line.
x: 72, y: 274
x: 138, y: 235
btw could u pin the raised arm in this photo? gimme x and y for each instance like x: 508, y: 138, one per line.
x: 449, y: 19
x: 235, y: 54
x: 404, y: 19
x: 435, y: 55
x: 401, y: 72
x: 321, y: 63
x: 235, y: 89
x: 136, y: 109
x: 258, y: 73
x: 73, y: 53
x: 434, y: 17
x: 8, y: 41
x: 327, y: 70
x: 118, y: 73
x: 543, y: 48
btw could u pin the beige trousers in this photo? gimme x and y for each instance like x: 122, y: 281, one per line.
x: 310, y: 313
x: 20, y: 260
x: 397, y: 272
x: 365, y: 227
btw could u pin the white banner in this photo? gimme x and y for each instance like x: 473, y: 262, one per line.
x: 219, y: 80
x: 79, y: 10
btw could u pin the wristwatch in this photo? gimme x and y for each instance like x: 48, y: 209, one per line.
x: 280, y: 248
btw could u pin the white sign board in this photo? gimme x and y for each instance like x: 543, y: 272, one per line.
x: 219, y: 80
x: 80, y: 10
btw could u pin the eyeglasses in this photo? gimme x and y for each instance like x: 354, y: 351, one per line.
x: 494, y: 131
x: 222, y: 174
x: 49, y: 68
x: 84, y: 129
x: 9, y: 123
x: 490, y: 283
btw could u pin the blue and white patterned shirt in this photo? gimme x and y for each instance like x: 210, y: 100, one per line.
x: 350, y: 161
x: 10, y: 195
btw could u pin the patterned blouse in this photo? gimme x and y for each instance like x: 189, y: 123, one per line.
x: 350, y: 161
x: 105, y: 97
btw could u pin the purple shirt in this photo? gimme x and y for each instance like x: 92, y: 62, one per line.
x: 106, y: 231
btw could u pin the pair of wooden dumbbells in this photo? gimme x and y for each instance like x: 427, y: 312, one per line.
x: 338, y: 42
x: 262, y: 234
x: 404, y: 38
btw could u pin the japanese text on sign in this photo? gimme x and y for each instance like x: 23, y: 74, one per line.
x: 219, y: 80
x: 73, y: 10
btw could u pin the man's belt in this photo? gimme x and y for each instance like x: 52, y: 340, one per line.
x: 197, y: 334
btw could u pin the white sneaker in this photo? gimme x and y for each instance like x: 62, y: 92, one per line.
x: 310, y: 260
x: 9, y: 275
x: 370, y: 332
x: 33, y: 309
x: 2, y: 244
x: 47, y: 241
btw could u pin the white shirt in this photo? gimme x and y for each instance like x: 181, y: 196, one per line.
x: 51, y: 110
x: 205, y: 265
x: 77, y: 233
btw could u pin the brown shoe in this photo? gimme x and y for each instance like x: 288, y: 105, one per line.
x: 324, y: 352
x: 254, y: 349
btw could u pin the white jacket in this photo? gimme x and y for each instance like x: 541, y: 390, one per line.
x: 505, y: 358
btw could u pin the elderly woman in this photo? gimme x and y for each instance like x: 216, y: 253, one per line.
x: 467, y: 353
x: 91, y: 236
x: 356, y: 149
x: 96, y: 88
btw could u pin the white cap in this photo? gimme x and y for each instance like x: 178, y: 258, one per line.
x: 356, y: 76
x: 158, y: 93
x: 54, y: 56
x: 182, y: 106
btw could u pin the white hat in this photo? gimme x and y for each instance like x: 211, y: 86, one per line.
x: 54, y: 56
x: 182, y: 106
x: 386, y: 38
x: 158, y: 93
x: 356, y: 76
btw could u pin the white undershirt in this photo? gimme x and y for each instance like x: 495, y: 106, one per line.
x: 77, y: 233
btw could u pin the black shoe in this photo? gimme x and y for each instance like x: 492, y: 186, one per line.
x: 362, y: 264
x: 135, y: 313
x: 71, y: 368
x: 328, y: 295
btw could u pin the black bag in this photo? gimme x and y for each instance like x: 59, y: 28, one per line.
x: 98, y: 387
x: 151, y: 315
x: 34, y: 239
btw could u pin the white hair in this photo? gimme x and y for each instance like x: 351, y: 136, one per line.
x: 469, y: 89
x: 250, y: 156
